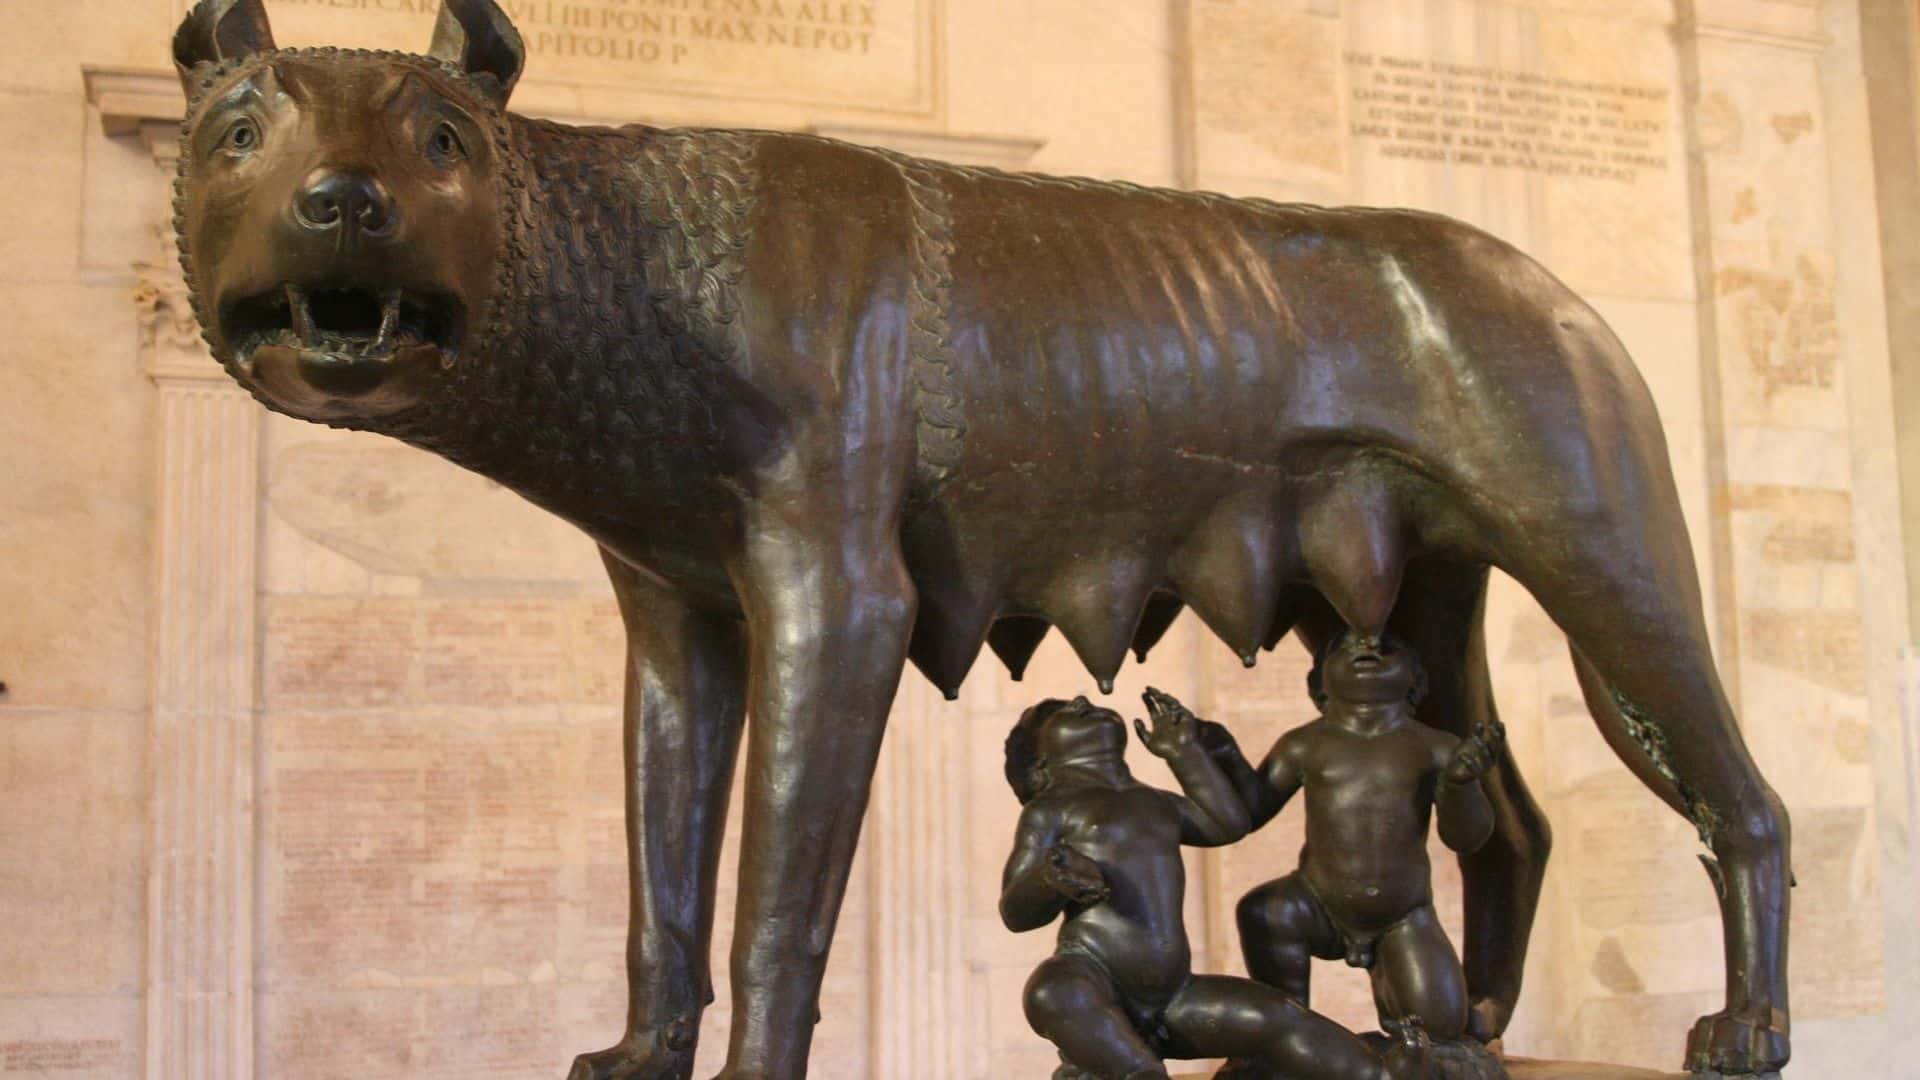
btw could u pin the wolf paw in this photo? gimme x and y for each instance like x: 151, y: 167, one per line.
x: 1739, y: 1042
x: 666, y: 1054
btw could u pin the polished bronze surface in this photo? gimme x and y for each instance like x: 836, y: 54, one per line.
x: 829, y: 408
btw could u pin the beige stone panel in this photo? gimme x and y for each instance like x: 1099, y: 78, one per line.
x: 430, y: 847
x: 73, y: 827
x: 74, y: 516
x: 1793, y: 457
x: 332, y: 652
x: 503, y: 650
x: 1806, y: 526
x: 293, y: 563
x: 1089, y: 79
x: 1837, y: 956
x: 71, y: 1038
x: 339, y: 652
x: 1624, y: 11
x: 1774, y: 270
x: 1781, y: 341
x: 127, y: 200
x: 1655, y: 956
x: 1608, y: 236
x: 41, y: 133
x: 1811, y: 741
x: 1268, y: 94
x: 1782, y: 574
x: 1823, y: 647
x: 397, y: 510
x: 1633, y: 857
x: 519, y: 1030
x: 53, y: 40
x: 1641, y: 1030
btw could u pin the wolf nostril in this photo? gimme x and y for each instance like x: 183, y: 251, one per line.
x: 333, y: 196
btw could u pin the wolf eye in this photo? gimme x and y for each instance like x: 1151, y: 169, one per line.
x: 243, y: 137
x: 444, y: 144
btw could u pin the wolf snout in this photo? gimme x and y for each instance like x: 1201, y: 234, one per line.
x: 345, y: 200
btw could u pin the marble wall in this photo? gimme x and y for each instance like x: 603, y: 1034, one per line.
x: 308, y: 761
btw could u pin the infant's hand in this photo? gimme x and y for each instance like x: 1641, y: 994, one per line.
x: 1174, y: 728
x: 1075, y: 876
x: 1477, y: 753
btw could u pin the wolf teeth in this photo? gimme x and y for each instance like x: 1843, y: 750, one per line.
x: 389, y: 318
x: 302, y: 313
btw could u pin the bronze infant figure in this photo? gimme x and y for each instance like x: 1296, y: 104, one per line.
x: 827, y: 409
x: 1100, y: 851
x: 1374, y: 780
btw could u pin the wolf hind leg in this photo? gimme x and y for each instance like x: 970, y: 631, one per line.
x: 1629, y: 600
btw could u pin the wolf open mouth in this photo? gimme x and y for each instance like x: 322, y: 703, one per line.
x: 349, y: 323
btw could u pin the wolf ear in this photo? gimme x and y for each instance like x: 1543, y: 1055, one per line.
x: 479, y: 37
x: 220, y: 30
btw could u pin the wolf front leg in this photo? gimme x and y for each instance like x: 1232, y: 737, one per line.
x: 829, y: 618
x: 686, y: 685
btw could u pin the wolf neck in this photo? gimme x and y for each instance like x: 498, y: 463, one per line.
x: 618, y: 317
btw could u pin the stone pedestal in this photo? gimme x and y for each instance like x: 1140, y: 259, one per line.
x: 1523, y: 1069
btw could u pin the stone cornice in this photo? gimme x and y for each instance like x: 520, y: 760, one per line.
x: 1778, y: 24
x: 147, y: 103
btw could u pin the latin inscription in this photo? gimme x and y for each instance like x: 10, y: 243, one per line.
x: 663, y: 31
x: 862, y: 51
x: 423, y: 844
x: 1502, y: 118
x: 40, y: 1056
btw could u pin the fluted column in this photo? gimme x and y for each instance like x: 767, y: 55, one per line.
x: 200, y: 893
x: 917, y: 830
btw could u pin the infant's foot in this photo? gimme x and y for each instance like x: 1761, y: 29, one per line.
x: 1466, y: 1060
x: 1412, y: 1052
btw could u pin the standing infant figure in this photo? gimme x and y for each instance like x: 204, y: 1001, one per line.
x: 1374, y: 778
x: 1101, y: 852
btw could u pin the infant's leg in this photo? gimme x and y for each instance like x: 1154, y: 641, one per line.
x: 1219, y: 1016
x: 1074, y: 1005
x: 1282, y: 928
x: 1417, y: 973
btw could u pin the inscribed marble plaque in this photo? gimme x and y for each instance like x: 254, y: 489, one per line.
x: 435, y: 846
x: 858, y: 54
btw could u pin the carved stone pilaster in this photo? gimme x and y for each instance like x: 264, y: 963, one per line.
x: 200, y: 900
x: 917, y: 829
x: 200, y: 893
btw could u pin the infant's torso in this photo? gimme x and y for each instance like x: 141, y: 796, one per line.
x: 1369, y: 809
x: 1137, y: 933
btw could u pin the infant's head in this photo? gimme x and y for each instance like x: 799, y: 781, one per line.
x: 1364, y: 671
x: 1055, y: 733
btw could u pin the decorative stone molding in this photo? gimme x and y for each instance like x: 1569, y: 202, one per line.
x: 148, y: 103
x: 170, y: 344
x: 1779, y: 24
x: 996, y: 151
x: 200, y: 902
x: 200, y: 898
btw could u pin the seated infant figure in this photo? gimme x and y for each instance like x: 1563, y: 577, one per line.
x: 1101, y: 851
x: 1374, y: 776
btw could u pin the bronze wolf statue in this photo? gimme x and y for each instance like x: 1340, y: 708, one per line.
x: 827, y: 409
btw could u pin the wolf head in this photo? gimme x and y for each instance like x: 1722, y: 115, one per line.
x: 342, y: 215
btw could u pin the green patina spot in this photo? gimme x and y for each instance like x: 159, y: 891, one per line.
x: 1649, y: 737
